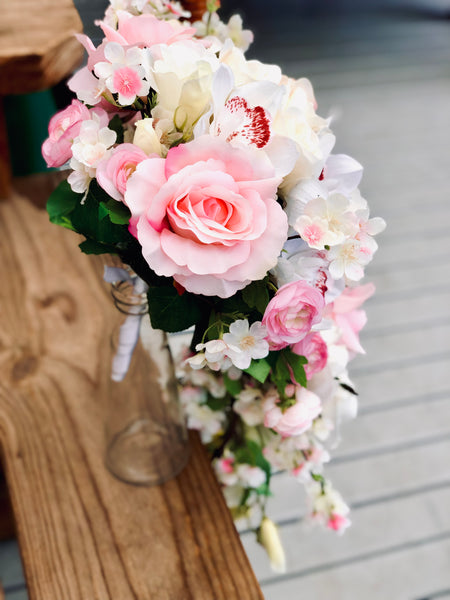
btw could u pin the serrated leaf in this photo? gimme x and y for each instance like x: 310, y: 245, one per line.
x: 170, y: 311
x: 259, y: 369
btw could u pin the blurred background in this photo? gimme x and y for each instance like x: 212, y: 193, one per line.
x: 381, y: 69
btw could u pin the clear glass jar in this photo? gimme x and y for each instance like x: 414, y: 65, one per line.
x: 146, y: 435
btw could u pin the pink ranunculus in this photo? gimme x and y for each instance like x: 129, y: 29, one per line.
x: 63, y: 129
x: 145, y: 30
x: 344, y: 311
x: 291, y: 313
x: 113, y: 172
x: 208, y: 215
x: 314, y: 348
x: 297, y: 418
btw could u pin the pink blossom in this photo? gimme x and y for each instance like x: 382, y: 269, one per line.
x: 63, y: 129
x: 291, y: 313
x: 349, y: 320
x: 297, y: 418
x: 207, y: 215
x: 114, y: 172
x: 315, y: 350
x: 145, y: 30
x: 338, y: 522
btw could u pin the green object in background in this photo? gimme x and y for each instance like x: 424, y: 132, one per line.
x: 27, y: 117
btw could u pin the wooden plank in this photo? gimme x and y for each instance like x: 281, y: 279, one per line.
x: 376, y: 528
x: 37, y: 45
x: 82, y: 533
x: 403, y: 574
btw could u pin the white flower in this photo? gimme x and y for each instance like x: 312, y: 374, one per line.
x: 182, y: 76
x: 208, y: 422
x: 349, y: 260
x: 215, y: 356
x: 245, y: 343
x: 249, y: 405
x: 123, y: 72
x: 250, y: 476
x: 326, y: 221
x: 92, y: 143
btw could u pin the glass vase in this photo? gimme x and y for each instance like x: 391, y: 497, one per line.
x: 146, y: 435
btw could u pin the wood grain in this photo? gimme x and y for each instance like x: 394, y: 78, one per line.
x: 37, y: 44
x: 83, y: 534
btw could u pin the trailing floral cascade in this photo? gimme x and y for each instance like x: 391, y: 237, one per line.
x: 212, y: 177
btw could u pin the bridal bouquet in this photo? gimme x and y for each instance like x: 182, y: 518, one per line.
x: 212, y: 177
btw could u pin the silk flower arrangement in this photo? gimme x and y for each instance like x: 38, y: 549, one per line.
x: 212, y: 177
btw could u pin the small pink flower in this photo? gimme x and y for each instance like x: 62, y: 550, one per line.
x: 207, y: 215
x: 344, y: 311
x: 338, y: 522
x: 225, y: 465
x: 297, y: 418
x: 315, y: 350
x: 114, y: 172
x: 63, y: 129
x: 291, y: 313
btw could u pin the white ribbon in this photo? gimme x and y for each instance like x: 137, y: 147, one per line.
x: 130, y: 328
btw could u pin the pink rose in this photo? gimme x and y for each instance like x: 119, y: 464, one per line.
x: 145, y: 30
x: 297, y: 418
x: 208, y: 215
x: 63, y: 129
x: 291, y: 313
x: 349, y: 320
x: 315, y: 350
x: 114, y: 172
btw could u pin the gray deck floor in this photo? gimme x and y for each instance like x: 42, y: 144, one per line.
x: 387, y: 75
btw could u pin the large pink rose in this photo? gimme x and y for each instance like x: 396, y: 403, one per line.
x: 291, y: 313
x: 297, y: 418
x: 208, y: 216
x: 113, y: 172
x: 315, y: 350
x: 145, y: 30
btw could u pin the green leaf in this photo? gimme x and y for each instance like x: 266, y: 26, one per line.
x: 118, y: 213
x: 251, y: 453
x: 281, y: 369
x: 296, y: 362
x: 259, y: 369
x: 93, y: 247
x: 61, y: 204
x: 217, y: 403
x: 170, y: 311
x: 91, y: 219
x: 256, y: 295
x: 233, y: 386
x: 116, y: 125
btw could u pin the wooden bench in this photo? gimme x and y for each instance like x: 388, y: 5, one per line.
x: 84, y: 535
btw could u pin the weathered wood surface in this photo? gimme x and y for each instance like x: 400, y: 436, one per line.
x: 37, y: 44
x: 83, y: 534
